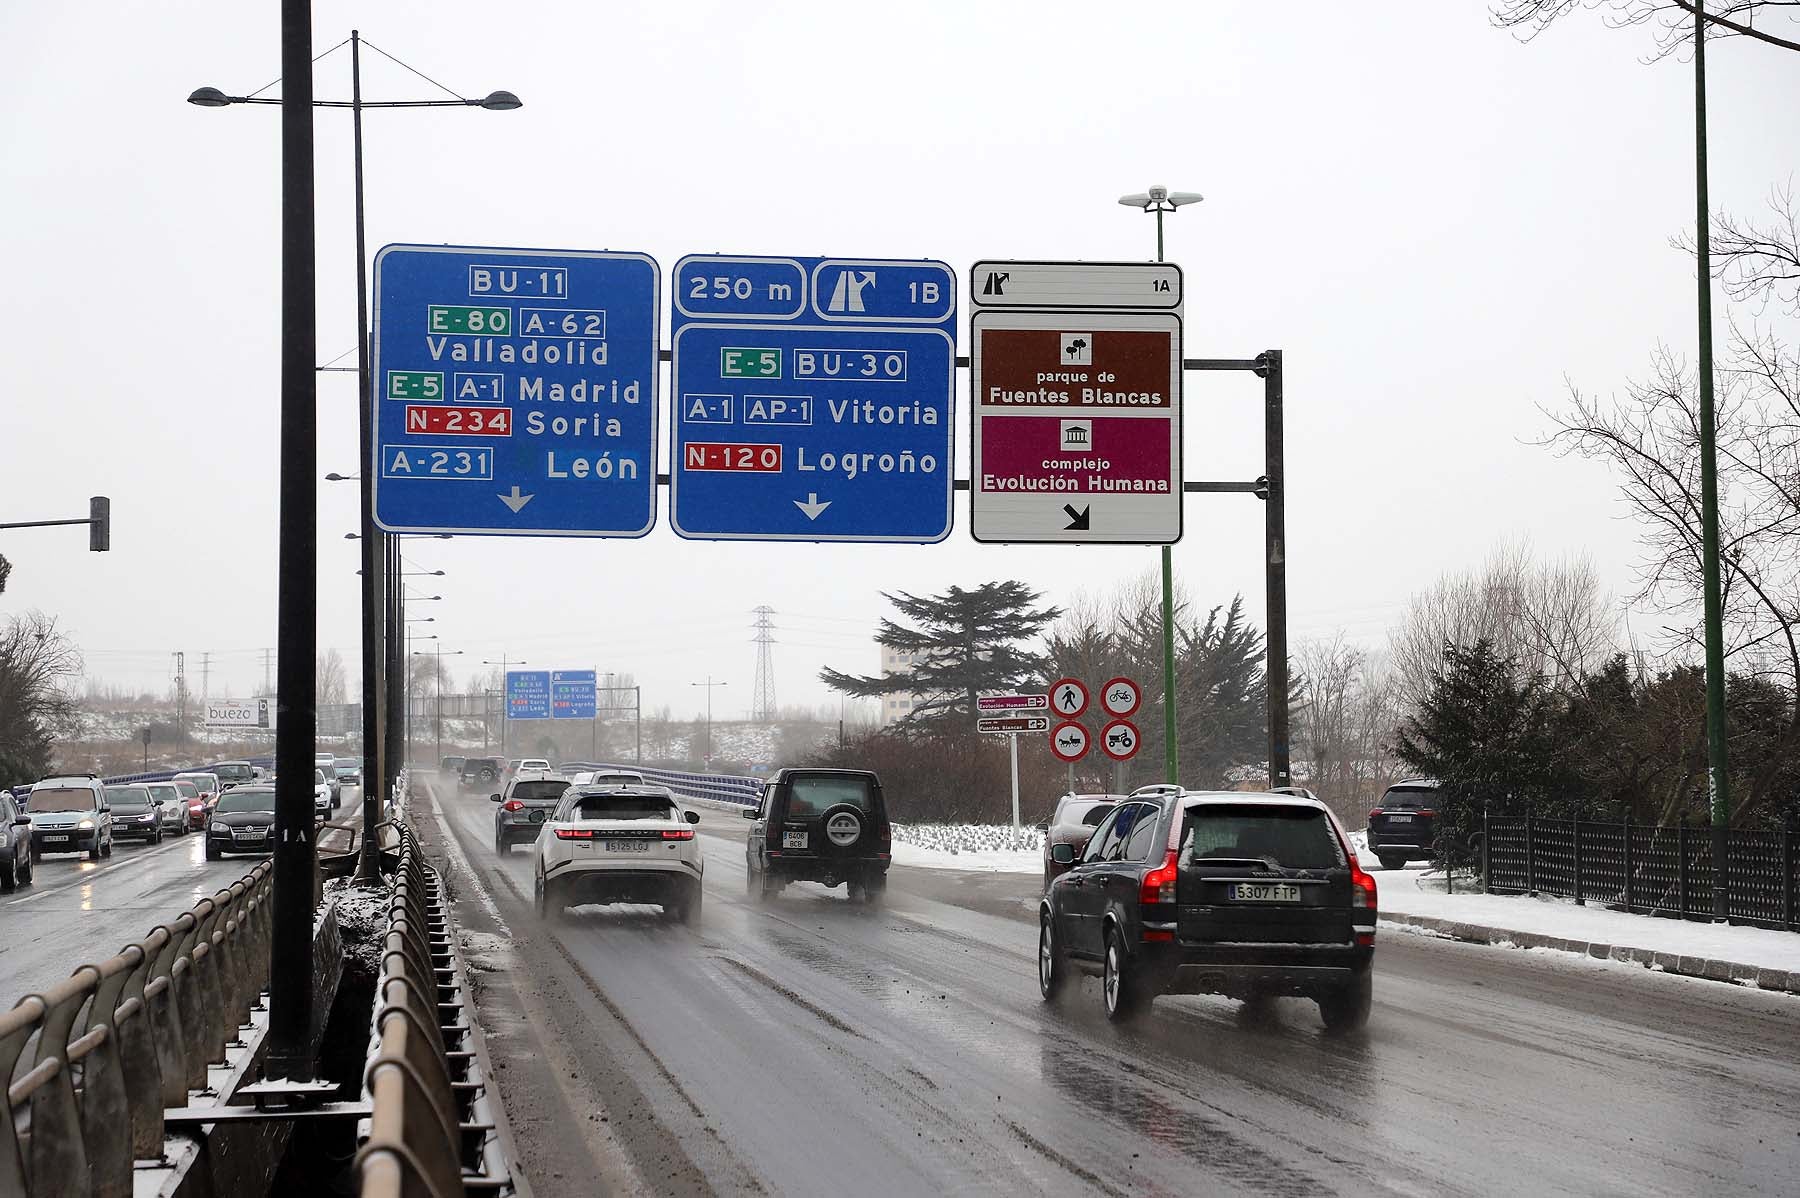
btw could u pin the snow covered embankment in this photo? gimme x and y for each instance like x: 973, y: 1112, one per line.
x: 984, y: 848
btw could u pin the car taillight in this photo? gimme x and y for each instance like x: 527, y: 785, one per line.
x: 512, y: 805
x: 1362, y: 886
x: 574, y: 833
x: 1425, y: 811
x: 1375, y: 813
x: 1159, y: 883
x: 678, y: 834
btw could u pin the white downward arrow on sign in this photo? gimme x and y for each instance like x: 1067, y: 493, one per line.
x: 812, y: 507
x: 515, y: 501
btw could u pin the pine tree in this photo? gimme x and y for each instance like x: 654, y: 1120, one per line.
x: 964, y: 643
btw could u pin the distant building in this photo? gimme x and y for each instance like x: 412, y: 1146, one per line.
x: 897, y: 705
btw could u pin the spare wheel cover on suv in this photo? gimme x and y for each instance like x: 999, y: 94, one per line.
x: 843, y: 826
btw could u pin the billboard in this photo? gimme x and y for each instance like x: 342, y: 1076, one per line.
x: 240, y: 713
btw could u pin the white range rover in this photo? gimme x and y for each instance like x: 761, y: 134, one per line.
x: 619, y: 844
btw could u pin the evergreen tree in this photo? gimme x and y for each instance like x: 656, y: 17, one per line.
x: 1484, y: 731
x: 963, y: 643
x: 1222, y: 695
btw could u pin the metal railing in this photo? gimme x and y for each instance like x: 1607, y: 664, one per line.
x: 431, y: 1133
x: 114, y: 1044
x: 1646, y: 868
x: 740, y: 789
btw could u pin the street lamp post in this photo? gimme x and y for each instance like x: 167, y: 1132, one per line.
x: 1160, y: 200
x: 410, y: 654
x: 505, y: 715
x: 368, y: 866
x: 437, y: 689
x: 708, y: 684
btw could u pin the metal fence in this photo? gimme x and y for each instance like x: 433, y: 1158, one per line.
x: 742, y: 790
x: 103, y: 1052
x: 431, y: 1131
x: 1654, y: 870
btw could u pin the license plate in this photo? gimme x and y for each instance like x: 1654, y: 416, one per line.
x: 628, y: 846
x: 251, y: 835
x: 1246, y: 893
x: 793, y: 840
x: 1399, y: 819
x: 55, y: 839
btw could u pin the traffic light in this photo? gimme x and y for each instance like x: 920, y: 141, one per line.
x: 99, y: 524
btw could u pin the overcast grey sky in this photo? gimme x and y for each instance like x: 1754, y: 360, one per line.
x: 1436, y: 223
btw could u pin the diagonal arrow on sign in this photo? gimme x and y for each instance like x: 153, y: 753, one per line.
x: 515, y: 501
x: 1078, y: 521
x: 812, y: 507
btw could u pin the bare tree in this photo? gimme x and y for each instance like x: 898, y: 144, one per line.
x: 1555, y: 620
x: 333, y: 681
x: 38, y: 664
x: 1348, y: 716
x: 1672, y: 20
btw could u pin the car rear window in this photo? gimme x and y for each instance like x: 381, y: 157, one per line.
x: 165, y: 794
x: 1410, y: 797
x: 1294, y: 837
x: 623, y: 806
x: 811, y: 796
x: 246, y: 800
x: 234, y: 773
x: 127, y: 797
x: 540, y: 791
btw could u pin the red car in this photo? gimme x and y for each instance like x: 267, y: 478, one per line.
x: 193, y: 804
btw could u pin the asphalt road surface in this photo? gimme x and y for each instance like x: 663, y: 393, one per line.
x: 809, y: 1047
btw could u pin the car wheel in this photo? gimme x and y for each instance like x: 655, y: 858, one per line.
x: 874, y: 890
x: 9, y: 881
x: 857, y: 893
x: 94, y: 853
x: 212, y: 851
x: 1389, y: 861
x: 1053, y: 964
x: 156, y: 837
x: 690, y: 910
x: 106, y: 849
x: 769, y: 886
x: 1346, y: 1009
x: 30, y: 868
x: 501, y: 847
x: 538, y: 902
x: 1119, y: 986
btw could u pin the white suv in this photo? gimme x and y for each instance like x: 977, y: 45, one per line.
x: 632, y: 844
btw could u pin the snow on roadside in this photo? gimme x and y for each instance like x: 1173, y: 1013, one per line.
x: 982, y: 848
x: 1416, y: 890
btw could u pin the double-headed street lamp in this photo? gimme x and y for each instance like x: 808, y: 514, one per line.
x: 437, y: 690
x: 385, y: 769
x: 706, y: 757
x: 1159, y: 200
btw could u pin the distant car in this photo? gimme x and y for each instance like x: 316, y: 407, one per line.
x: 323, y: 801
x: 528, y: 800
x: 172, y: 806
x: 482, y: 773
x: 450, y: 767
x: 206, y: 782
x: 326, y: 764
x: 820, y: 825
x: 1403, y: 826
x: 70, y: 814
x: 533, y: 763
x: 349, y: 770
x: 135, y: 813
x: 234, y: 773
x: 1243, y: 894
x: 193, y: 807
x: 16, y: 856
x: 242, y: 821
x: 608, y: 778
x: 1074, y: 820
x: 631, y: 844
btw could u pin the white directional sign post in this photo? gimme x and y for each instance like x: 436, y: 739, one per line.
x: 1076, y: 402
x: 1009, y: 715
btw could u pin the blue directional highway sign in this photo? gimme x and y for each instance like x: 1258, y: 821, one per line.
x: 572, y: 695
x: 515, y: 391
x: 812, y: 399
x: 528, y: 694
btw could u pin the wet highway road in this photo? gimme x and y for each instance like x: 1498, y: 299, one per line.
x: 81, y: 911
x: 809, y: 1047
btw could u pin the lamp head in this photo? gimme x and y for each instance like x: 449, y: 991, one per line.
x: 1158, y: 193
x: 501, y: 101
x: 1138, y: 200
x: 209, y: 97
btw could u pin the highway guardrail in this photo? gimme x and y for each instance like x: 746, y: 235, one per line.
x: 742, y: 790
x: 431, y: 1130
x: 107, y: 1049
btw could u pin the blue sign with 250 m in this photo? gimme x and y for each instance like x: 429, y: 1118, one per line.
x: 812, y: 399
x: 515, y: 391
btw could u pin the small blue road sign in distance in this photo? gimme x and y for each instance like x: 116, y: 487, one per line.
x: 572, y: 695
x: 528, y: 694
x: 812, y: 399
x: 515, y: 391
